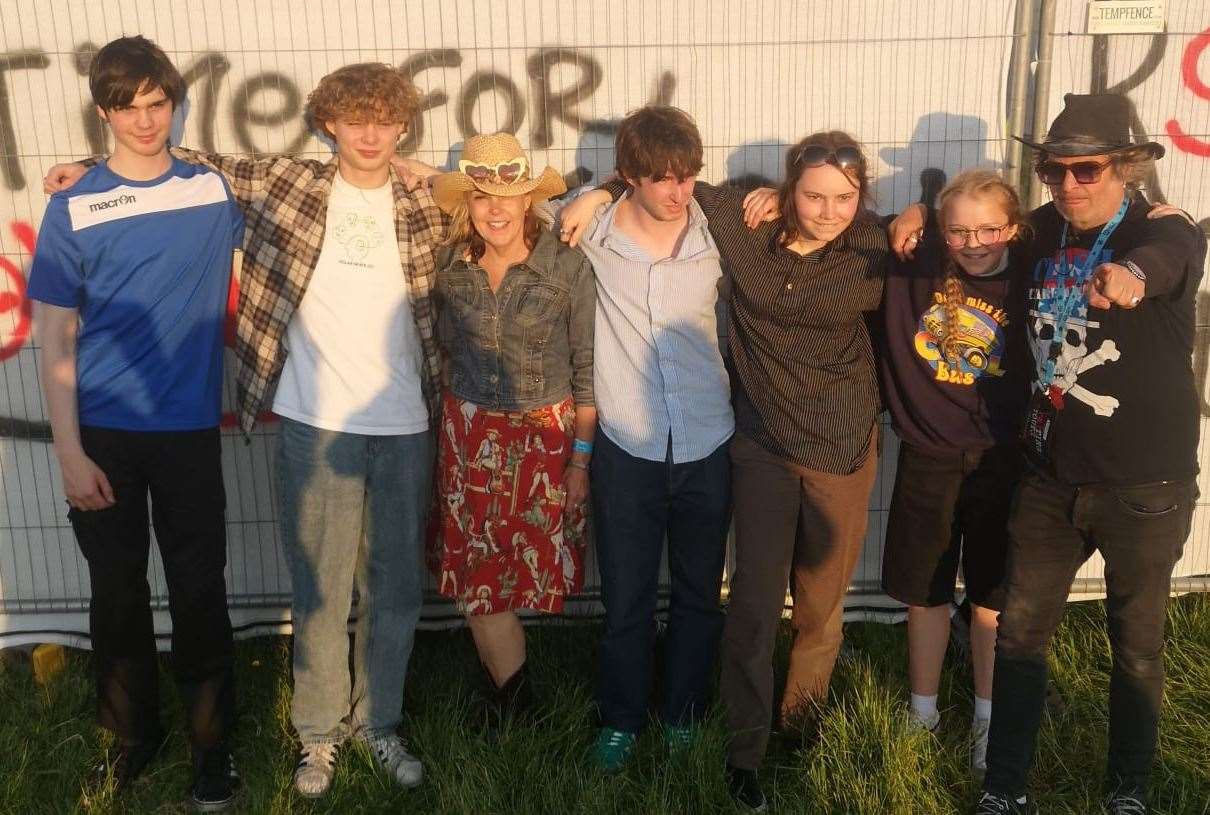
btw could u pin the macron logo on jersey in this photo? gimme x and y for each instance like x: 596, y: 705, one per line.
x: 112, y: 202
x: 126, y: 201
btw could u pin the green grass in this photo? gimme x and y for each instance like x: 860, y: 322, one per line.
x: 867, y: 760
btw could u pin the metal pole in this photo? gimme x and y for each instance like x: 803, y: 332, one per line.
x: 1018, y: 89
x: 1041, y: 114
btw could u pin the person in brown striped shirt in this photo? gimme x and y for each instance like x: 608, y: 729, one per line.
x: 804, y: 453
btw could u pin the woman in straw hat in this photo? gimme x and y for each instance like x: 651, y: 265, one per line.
x: 516, y: 310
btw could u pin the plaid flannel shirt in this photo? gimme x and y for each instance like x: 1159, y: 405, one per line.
x: 285, y: 203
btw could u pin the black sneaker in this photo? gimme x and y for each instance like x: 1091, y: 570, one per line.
x: 215, y: 782
x: 1127, y: 802
x: 992, y: 804
x: 745, y: 790
x: 126, y: 762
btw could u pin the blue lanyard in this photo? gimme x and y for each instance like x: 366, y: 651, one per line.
x: 1071, y: 298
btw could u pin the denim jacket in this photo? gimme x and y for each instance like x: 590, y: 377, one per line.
x: 527, y: 344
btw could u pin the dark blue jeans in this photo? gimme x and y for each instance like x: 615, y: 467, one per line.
x: 1140, y: 532
x: 638, y: 503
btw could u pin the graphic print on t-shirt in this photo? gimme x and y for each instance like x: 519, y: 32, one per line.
x: 1051, y: 288
x: 980, y: 340
x: 358, y: 234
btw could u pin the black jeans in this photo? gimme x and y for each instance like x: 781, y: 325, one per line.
x: 181, y: 471
x: 636, y: 504
x: 1140, y: 532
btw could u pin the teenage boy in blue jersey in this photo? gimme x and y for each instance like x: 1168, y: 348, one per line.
x: 130, y: 280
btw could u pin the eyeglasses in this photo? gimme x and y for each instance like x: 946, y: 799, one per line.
x: 815, y: 155
x: 1084, y: 172
x: 506, y: 172
x: 957, y: 236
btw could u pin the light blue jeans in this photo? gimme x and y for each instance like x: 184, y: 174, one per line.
x: 352, y: 511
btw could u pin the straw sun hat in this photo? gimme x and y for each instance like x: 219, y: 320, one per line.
x: 494, y: 164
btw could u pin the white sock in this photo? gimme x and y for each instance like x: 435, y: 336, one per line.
x: 983, y: 708
x: 925, y: 707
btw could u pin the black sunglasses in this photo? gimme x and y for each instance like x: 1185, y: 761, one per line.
x: 815, y: 155
x: 1084, y: 172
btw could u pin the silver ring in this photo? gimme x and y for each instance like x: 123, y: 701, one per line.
x: 1134, y: 301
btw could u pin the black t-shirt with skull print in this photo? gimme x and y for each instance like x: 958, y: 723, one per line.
x: 1125, y: 404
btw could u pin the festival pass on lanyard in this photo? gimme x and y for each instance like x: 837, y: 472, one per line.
x: 1067, y: 299
x: 1071, y: 298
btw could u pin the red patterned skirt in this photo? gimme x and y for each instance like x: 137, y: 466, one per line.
x: 504, y: 540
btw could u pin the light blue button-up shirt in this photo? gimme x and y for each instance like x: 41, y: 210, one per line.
x: 658, y: 374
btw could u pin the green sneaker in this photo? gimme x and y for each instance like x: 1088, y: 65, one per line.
x: 679, y: 738
x: 612, y: 749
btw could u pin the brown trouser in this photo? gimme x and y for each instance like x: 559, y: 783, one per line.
x: 786, y: 516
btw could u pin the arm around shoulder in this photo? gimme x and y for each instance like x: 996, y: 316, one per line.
x: 248, y: 177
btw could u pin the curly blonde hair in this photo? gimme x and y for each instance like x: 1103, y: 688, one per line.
x: 373, y: 91
x: 977, y: 184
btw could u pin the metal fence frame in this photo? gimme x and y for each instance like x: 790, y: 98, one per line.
x: 1026, y: 110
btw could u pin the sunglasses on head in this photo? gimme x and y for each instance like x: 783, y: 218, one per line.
x: 506, y: 172
x: 815, y: 155
x: 1084, y: 172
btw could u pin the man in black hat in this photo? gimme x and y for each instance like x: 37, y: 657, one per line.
x: 1111, y: 323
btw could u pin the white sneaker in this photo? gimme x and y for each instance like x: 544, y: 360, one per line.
x: 928, y: 725
x: 979, y: 731
x: 316, y: 766
x: 391, y: 754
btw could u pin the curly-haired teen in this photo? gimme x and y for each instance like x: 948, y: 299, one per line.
x: 335, y: 319
x: 954, y: 368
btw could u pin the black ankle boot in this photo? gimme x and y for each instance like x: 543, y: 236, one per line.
x: 514, y: 697
x: 498, y: 704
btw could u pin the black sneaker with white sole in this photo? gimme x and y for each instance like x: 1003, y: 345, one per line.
x: 1127, y: 802
x: 992, y: 804
x: 126, y: 762
x: 215, y: 781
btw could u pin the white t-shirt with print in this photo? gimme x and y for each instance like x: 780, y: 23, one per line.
x: 354, y: 354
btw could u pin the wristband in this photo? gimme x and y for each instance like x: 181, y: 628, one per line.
x: 577, y: 465
x: 581, y: 446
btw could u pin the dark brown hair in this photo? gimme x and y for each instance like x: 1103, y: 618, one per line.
x: 975, y: 183
x: 831, y: 140
x: 372, y: 91
x: 128, y: 66
x: 656, y: 140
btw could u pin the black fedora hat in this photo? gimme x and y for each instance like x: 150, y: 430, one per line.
x: 1090, y: 125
